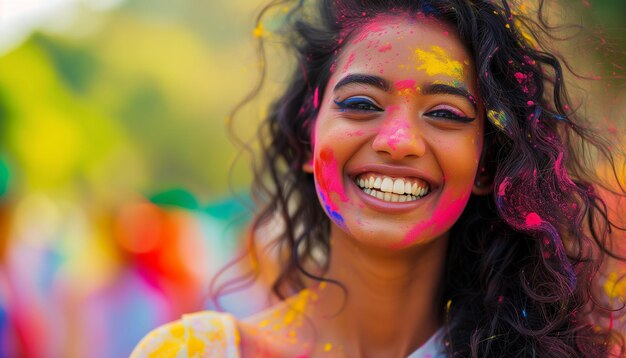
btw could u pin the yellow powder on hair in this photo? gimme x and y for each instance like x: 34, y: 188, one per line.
x: 497, y: 118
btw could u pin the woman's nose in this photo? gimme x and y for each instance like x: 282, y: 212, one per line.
x: 399, y: 138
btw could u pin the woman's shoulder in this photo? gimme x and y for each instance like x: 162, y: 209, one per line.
x: 274, y: 332
x: 201, y: 334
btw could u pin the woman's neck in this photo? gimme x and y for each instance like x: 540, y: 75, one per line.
x: 391, y: 307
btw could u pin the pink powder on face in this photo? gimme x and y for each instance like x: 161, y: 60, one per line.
x: 328, y: 180
x: 446, y: 213
x: 405, y: 84
x: 395, y: 132
x: 384, y: 48
x: 532, y: 220
x: 328, y: 177
x: 349, y: 63
x: 370, y: 29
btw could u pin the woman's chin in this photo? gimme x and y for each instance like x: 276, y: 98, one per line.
x: 385, y: 239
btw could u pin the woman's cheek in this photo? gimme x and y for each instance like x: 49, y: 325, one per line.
x: 447, y: 212
x: 329, y: 184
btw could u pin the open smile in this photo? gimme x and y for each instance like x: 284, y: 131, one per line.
x: 391, y: 189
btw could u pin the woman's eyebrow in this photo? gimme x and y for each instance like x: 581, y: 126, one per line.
x: 440, y: 88
x: 371, y: 80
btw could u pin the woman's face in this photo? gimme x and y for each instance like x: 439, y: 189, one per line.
x: 399, y: 133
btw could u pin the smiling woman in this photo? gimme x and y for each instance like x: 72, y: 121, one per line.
x: 398, y: 117
x: 433, y: 201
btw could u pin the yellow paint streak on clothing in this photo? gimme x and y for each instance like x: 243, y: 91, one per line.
x: 437, y: 62
x: 178, y: 330
x: 195, y: 345
x: 167, y: 348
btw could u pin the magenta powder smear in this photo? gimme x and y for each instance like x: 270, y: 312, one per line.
x: 445, y: 213
x: 329, y: 180
x: 405, y: 84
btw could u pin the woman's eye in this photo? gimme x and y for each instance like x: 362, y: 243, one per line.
x: 451, y: 114
x: 358, y: 104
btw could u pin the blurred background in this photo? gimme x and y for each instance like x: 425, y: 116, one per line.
x: 116, y: 203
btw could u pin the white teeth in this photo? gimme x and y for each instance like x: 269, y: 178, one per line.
x: 380, y: 186
x: 394, y: 198
x: 377, y: 183
x: 387, y: 185
x: 398, y: 186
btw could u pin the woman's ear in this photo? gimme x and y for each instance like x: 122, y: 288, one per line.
x: 482, y: 186
x: 307, y: 167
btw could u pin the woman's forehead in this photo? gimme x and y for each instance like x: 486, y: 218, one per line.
x: 399, y: 47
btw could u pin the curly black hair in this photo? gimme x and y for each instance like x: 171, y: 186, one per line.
x: 521, y: 269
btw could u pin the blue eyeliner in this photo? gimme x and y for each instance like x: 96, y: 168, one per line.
x: 358, y: 104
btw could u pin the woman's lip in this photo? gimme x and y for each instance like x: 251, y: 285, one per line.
x: 394, y: 171
x: 387, y: 206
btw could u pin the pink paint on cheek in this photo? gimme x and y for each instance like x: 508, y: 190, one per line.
x: 447, y: 212
x: 404, y: 85
x: 328, y: 180
x: 328, y: 177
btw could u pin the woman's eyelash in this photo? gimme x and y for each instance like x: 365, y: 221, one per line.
x: 449, y: 114
x: 358, y: 104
